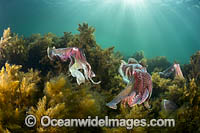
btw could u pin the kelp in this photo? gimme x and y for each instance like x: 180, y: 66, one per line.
x: 156, y: 64
x: 18, y: 91
x: 12, y: 49
x: 62, y: 101
x: 37, y: 57
x: 139, y: 55
x: 195, y: 65
x: 32, y: 84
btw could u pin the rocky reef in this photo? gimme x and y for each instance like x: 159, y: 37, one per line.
x: 32, y: 84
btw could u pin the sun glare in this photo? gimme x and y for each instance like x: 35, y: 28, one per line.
x: 134, y: 2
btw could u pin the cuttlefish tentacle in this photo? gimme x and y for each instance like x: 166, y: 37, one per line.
x: 144, y: 96
x: 135, y: 100
x: 131, y: 97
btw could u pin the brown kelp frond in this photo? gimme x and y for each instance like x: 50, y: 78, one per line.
x: 12, y: 49
x: 63, y: 101
x: 18, y: 91
x: 6, y: 36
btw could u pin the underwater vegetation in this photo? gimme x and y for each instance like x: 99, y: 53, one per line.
x: 18, y: 91
x: 12, y: 48
x: 30, y: 83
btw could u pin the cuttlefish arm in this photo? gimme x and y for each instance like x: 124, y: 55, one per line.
x: 88, y: 72
x: 74, y: 70
x: 178, y: 71
x: 50, y: 54
x: 144, y: 91
x: 125, y: 70
x: 121, y: 71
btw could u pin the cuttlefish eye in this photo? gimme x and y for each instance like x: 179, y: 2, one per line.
x: 75, y: 49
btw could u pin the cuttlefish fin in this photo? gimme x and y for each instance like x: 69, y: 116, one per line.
x: 122, y: 95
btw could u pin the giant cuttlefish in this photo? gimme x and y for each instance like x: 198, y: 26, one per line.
x: 139, y: 85
x: 77, y: 61
x: 174, y: 70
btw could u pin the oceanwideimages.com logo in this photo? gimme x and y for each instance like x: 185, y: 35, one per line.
x: 46, y: 121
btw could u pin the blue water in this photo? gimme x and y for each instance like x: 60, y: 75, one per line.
x: 158, y: 27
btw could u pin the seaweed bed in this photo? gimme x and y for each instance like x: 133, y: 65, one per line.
x: 32, y: 84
